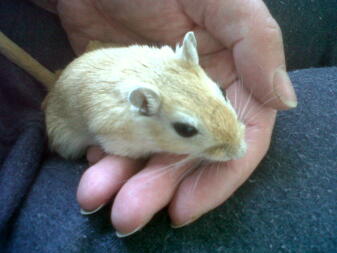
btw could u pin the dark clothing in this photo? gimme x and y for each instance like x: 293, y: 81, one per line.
x: 289, y: 204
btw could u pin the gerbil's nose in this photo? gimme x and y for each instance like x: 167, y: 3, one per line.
x: 224, y: 152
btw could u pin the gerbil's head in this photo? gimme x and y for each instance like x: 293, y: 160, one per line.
x: 183, y: 111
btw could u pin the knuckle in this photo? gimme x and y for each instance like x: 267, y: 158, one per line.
x: 272, y: 25
x: 271, y: 29
x: 271, y: 34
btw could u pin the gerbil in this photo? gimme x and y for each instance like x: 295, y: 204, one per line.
x: 138, y: 100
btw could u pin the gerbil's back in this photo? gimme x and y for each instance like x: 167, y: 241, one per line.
x: 100, y: 80
x: 107, y: 66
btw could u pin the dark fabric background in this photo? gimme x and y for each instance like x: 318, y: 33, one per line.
x: 309, y: 30
x: 288, y: 205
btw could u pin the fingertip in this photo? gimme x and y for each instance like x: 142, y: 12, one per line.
x: 182, y: 216
x: 183, y: 209
x: 122, y: 235
x: 128, y: 215
x: 282, y: 95
x: 276, y: 92
x: 183, y: 223
x: 89, y: 212
x: 102, y: 180
x: 284, y: 89
x: 91, y: 192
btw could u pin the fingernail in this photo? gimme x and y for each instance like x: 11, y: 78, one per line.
x: 121, y: 235
x: 284, y: 89
x: 88, y: 212
x: 185, y: 223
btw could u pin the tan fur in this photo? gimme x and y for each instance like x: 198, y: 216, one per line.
x: 90, y: 104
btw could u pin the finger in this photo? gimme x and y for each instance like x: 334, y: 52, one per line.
x: 248, y: 29
x: 102, y: 180
x: 208, y: 187
x: 90, y: 22
x: 215, y: 58
x: 146, y: 193
x: 94, y: 154
x: 219, y: 66
x: 206, y: 43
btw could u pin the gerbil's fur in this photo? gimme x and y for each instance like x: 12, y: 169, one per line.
x: 130, y: 101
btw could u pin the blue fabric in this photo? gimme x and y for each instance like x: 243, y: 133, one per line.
x: 288, y: 205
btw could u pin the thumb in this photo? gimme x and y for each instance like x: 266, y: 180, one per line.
x: 254, y: 37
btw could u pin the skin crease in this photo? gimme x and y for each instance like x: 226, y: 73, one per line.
x: 237, y: 40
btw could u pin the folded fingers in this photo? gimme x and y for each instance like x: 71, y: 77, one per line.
x: 103, y: 179
x: 146, y: 193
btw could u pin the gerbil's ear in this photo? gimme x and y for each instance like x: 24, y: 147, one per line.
x: 145, y: 100
x: 188, y: 51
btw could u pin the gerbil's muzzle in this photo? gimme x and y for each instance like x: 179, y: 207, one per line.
x: 226, y: 152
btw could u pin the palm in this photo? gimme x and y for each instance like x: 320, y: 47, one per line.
x: 125, y: 22
x: 225, y: 54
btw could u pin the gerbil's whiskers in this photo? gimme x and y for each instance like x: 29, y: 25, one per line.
x: 260, y: 108
x: 250, y: 140
x: 245, y: 108
x: 218, y: 165
x: 201, y: 168
x: 235, y: 96
x: 188, y: 171
x: 170, y: 168
x: 240, y: 83
x: 248, y: 111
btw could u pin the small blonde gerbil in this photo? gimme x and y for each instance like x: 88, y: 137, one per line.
x: 138, y: 100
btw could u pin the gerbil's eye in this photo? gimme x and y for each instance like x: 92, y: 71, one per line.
x: 223, y: 92
x: 184, y: 130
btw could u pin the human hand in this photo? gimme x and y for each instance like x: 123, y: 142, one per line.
x: 238, y: 41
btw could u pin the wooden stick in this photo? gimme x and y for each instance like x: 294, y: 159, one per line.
x: 21, y: 58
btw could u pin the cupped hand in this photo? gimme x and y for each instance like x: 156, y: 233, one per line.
x: 142, y: 188
x: 238, y: 43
